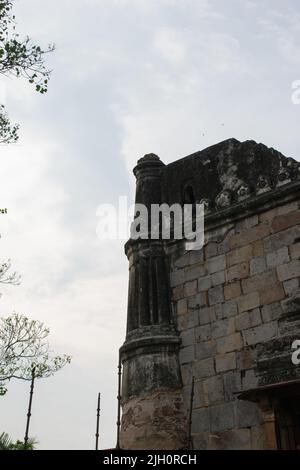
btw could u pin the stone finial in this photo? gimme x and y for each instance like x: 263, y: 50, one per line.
x: 223, y: 199
x: 149, y: 157
x: 262, y: 185
x: 207, y: 205
x: 283, y: 176
x: 243, y: 192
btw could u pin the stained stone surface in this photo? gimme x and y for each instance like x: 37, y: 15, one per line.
x: 226, y: 314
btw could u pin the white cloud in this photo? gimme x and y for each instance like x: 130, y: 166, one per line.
x: 170, y: 45
x: 130, y: 77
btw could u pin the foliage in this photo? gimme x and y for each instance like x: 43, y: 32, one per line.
x: 19, y: 58
x: 6, y: 443
x: 8, y: 131
x: 24, y: 346
x: 7, y: 277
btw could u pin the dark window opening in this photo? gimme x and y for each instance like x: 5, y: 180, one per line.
x: 288, y: 424
x: 188, y: 195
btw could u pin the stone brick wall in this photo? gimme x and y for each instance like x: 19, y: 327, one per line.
x: 226, y: 315
x: 228, y: 299
x: 165, y: 418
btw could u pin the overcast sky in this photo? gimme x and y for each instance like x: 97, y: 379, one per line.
x: 129, y: 77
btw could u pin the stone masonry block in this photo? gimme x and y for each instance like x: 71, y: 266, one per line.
x: 187, y: 355
x: 198, y: 395
x: 233, y: 439
x: 200, y: 441
x: 205, y: 349
x: 192, y: 319
x: 275, y: 258
x: 295, y: 251
x: 248, y: 302
x: 217, y: 263
x: 255, y: 283
x: 285, y: 221
x: 280, y: 210
x: 232, y: 384
x: 211, y: 249
x: 226, y: 362
x: 215, y: 295
x: 196, y: 256
x: 260, y: 333
x: 247, y: 223
x: 195, y: 271
x: 258, y: 265
x: 204, y: 368
x: 187, y: 338
x: 246, y: 358
x: 272, y: 294
x: 248, y: 236
x: 229, y: 309
x: 289, y: 270
x: 200, y: 421
x: 247, y: 414
x: 239, y: 255
x: 204, y: 283
x: 213, y: 390
x: 229, y: 343
x: 203, y: 333
x: 291, y: 286
x: 223, y: 328
x: 247, y: 320
x: 182, y: 307
x: 197, y: 301
x: 249, y: 379
x: 178, y: 292
x: 182, y: 261
x: 271, y: 312
x: 207, y: 315
x: 221, y: 417
x: 182, y: 322
x: 190, y: 288
x: 258, y: 248
x: 237, y: 272
x: 186, y: 374
x: 281, y: 239
x: 232, y: 290
x: 218, y: 278
x: 219, y: 311
x: 177, y: 277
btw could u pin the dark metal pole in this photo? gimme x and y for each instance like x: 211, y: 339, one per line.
x: 29, y: 407
x: 190, y: 444
x: 98, y: 418
x: 119, y: 403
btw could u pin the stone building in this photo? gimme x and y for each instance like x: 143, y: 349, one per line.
x: 226, y: 315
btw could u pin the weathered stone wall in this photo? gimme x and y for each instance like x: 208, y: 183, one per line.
x: 154, y: 421
x: 229, y: 299
x: 226, y: 315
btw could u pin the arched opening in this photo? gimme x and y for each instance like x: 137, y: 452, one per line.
x: 188, y: 195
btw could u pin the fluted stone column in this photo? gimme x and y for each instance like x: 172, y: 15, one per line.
x: 152, y: 403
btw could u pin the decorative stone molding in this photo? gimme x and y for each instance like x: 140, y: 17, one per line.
x: 207, y: 205
x: 223, y: 199
x: 243, y: 192
x: 262, y: 185
x: 283, y: 176
x: 229, y: 173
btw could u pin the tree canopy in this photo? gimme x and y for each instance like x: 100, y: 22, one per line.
x: 24, y: 346
x: 7, y: 276
x: 19, y: 57
x: 6, y: 443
